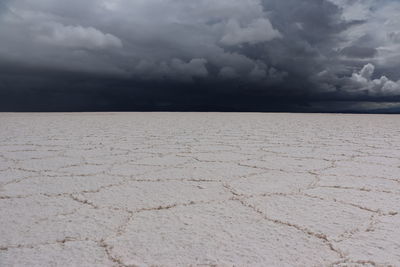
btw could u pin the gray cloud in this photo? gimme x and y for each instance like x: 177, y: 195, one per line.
x: 308, y: 50
x: 56, y: 34
x: 359, y: 52
x: 258, y: 31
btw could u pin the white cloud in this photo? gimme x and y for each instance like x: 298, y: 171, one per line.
x: 379, y: 29
x: 354, y: 9
x: 359, y: 83
x: 362, y: 81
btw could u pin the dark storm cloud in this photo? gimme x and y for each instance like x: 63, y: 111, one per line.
x: 359, y: 52
x: 253, y: 55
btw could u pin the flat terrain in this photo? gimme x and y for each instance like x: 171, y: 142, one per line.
x: 180, y: 189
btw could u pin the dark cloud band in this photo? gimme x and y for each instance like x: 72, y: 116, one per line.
x: 256, y: 55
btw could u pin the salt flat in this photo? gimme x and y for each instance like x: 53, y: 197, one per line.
x: 207, y: 189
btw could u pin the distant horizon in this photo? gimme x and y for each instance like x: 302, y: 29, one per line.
x: 379, y: 112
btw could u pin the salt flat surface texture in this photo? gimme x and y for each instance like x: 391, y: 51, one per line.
x: 177, y: 189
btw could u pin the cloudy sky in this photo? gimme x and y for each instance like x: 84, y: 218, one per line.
x: 243, y: 55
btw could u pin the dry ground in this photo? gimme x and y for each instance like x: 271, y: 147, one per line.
x: 175, y: 189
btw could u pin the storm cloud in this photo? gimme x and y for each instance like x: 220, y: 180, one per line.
x: 253, y: 55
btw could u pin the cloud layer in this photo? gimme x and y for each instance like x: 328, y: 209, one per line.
x: 248, y: 54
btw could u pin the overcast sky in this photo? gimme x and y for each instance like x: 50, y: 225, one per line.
x: 245, y: 55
